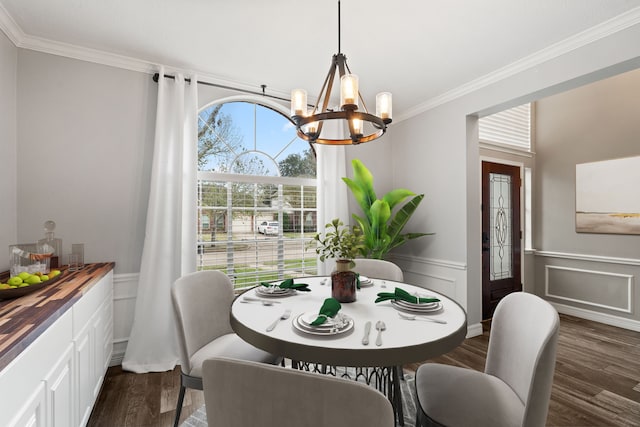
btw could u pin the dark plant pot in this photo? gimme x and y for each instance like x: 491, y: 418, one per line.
x: 343, y: 282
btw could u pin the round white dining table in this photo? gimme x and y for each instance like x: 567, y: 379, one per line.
x: 403, y: 341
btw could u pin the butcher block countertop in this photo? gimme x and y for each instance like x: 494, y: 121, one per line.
x: 23, y: 319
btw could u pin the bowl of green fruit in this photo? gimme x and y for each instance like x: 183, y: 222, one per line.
x: 25, y: 283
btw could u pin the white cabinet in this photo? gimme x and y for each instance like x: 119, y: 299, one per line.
x: 90, y: 317
x: 32, y: 413
x: 59, y: 389
x: 56, y: 380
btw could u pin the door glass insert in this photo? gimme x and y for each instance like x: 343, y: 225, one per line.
x: 501, y: 252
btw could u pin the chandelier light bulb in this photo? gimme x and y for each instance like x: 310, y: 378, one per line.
x: 312, y: 127
x: 349, y: 90
x: 383, y: 105
x: 298, y: 102
x: 358, y: 126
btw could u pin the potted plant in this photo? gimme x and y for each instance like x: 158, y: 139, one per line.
x: 343, y: 244
x: 380, y: 226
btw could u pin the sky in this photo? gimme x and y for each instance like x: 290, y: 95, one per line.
x: 273, y: 134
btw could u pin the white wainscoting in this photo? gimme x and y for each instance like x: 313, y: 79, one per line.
x: 622, y: 281
x: 125, y: 290
x: 443, y: 276
x: 602, y: 303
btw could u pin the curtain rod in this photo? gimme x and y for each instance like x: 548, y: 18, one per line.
x: 156, y: 76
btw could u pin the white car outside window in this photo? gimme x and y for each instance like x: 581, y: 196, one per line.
x: 268, y: 227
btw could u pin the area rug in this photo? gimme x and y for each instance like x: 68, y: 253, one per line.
x: 199, y: 417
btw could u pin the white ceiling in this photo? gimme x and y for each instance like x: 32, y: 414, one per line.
x: 417, y: 49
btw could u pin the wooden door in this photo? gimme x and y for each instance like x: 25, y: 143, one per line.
x: 501, y: 234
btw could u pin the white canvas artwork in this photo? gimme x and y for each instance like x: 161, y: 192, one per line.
x: 608, y: 196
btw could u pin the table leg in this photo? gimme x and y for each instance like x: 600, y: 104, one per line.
x: 396, y: 394
x: 384, y: 379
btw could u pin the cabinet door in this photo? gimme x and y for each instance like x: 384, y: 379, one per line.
x: 32, y: 413
x: 59, y: 388
x: 98, y: 351
x: 84, y: 369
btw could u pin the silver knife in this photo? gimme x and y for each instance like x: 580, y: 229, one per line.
x: 367, y: 329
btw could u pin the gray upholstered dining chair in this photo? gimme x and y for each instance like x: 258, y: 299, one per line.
x: 239, y: 393
x: 202, y: 305
x: 378, y: 269
x: 515, y: 387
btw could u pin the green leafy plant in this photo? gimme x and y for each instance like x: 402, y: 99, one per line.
x: 380, y: 226
x: 339, y: 241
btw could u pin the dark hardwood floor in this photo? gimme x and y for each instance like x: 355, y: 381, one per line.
x: 596, y: 383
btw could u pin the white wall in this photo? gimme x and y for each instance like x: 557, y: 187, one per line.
x: 8, y: 143
x: 436, y: 153
x: 85, y: 138
x: 590, y: 275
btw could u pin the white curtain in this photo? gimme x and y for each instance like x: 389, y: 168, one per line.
x: 331, y: 192
x: 170, y: 235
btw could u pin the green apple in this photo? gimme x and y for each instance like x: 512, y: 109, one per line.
x: 44, y: 277
x: 33, y: 279
x: 24, y: 275
x: 15, y: 281
x: 5, y: 286
x: 53, y: 273
x: 23, y: 285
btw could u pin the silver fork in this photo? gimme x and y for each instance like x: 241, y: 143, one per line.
x: 283, y: 316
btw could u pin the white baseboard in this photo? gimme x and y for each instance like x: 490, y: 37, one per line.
x: 607, y: 319
x: 474, y: 330
x: 116, y: 359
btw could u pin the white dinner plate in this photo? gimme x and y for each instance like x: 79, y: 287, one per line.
x: 274, y: 292
x: 417, y: 308
x: 325, y: 329
x: 365, y: 282
x: 309, y: 317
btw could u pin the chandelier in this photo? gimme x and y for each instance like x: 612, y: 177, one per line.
x: 362, y: 125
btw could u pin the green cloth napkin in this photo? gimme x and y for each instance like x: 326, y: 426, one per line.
x: 288, y: 284
x: 401, y: 294
x: 330, y: 307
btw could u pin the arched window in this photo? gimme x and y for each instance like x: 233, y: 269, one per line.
x: 256, y: 194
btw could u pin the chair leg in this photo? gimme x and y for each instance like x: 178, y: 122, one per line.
x: 179, y: 406
x: 419, y: 416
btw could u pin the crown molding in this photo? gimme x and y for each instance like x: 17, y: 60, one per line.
x: 595, y: 33
x: 24, y: 41
x: 87, y: 54
x: 9, y: 26
x: 21, y: 40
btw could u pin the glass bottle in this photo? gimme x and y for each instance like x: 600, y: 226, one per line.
x: 51, y: 244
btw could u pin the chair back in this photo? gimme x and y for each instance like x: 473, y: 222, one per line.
x: 241, y: 393
x: 202, y: 306
x: 522, y: 351
x: 378, y: 269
